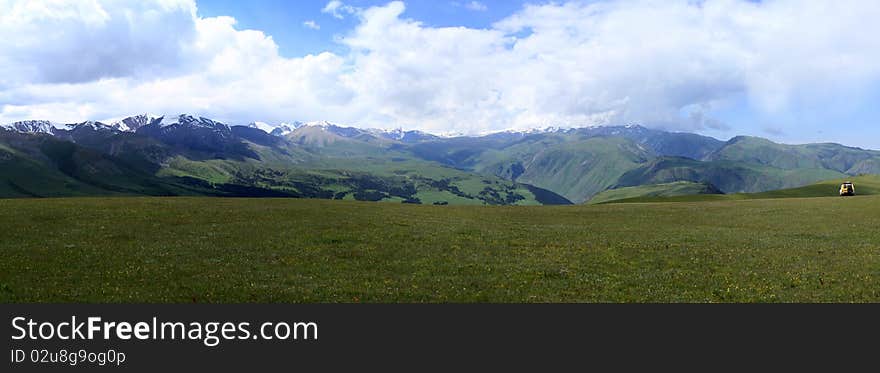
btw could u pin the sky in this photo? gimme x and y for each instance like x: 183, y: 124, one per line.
x: 794, y: 71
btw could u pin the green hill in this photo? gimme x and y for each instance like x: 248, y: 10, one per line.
x: 356, y: 168
x: 679, y: 188
x: 574, y: 164
x: 199, y: 156
x: 580, y: 163
x: 835, y: 157
x: 42, y: 166
x: 865, y: 185
x: 351, y: 169
x: 24, y: 177
x: 574, y: 168
x: 728, y: 176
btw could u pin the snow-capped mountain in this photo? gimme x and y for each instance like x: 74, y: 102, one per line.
x: 129, y: 124
x: 334, y: 128
x: 318, y: 123
x: 323, y: 124
x: 138, y: 122
x: 403, y: 136
x: 534, y: 131
x: 132, y: 124
x: 187, y: 120
x: 395, y: 134
x: 35, y: 126
x: 198, y: 135
x: 265, y: 127
x: 276, y: 130
x: 91, y: 125
x: 58, y: 129
x: 284, y: 129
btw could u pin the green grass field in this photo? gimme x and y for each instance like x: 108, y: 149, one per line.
x: 288, y: 250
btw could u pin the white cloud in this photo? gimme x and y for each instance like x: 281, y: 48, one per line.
x: 476, y: 6
x: 338, y: 9
x: 668, y: 63
x: 471, y: 5
x: 67, y: 42
x: 219, y: 71
x: 312, y: 25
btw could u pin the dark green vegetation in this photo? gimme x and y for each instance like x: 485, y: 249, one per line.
x: 730, y: 177
x: 288, y: 250
x: 214, y: 160
x: 580, y: 163
x: 189, y: 156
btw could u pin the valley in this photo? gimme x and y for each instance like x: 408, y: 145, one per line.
x: 187, y: 155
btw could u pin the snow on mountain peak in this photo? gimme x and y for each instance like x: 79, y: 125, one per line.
x: 285, y: 128
x: 89, y: 124
x: 189, y: 120
x: 133, y: 123
x: 35, y: 126
x: 280, y: 129
x: 321, y: 123
x: 265, y: 127
x: 393, y: 134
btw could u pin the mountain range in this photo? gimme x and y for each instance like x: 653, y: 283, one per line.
x: 192, y: 155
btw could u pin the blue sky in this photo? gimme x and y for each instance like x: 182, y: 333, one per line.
x: 284, y: 19
x: 790, y: 70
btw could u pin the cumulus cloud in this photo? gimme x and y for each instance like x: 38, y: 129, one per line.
x: 44, y: 41
x: 476, y: 6
x: 219, y: 71
x: 673, y: 64
x: 312, y: 25
x: 338, y: 9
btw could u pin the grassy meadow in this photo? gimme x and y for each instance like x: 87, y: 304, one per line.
x: 183, y: 250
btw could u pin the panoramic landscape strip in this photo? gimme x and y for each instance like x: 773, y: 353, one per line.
x: 382, y: 151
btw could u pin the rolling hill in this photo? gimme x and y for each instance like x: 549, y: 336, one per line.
x: 580, y: 163
x: 198, y: 156
x: 728, y: 176
x: 828, y: 156
x: 866, y: 185
x: 573, y: 167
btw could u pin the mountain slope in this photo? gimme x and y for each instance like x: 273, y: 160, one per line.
x: 576, y: 163
x: 43, y: 166
x: 575, y: 168
x: 835, y: 157
x: 662, y: 143
x: 728, y: 176
x: 198, y: 135
x: 186, y: 154
x: 865, y: 186
x: 679, y: 188
x: 20, y: 176
x: 197, y: 156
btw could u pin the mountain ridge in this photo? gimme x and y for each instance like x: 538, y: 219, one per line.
x: 313, y: 158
